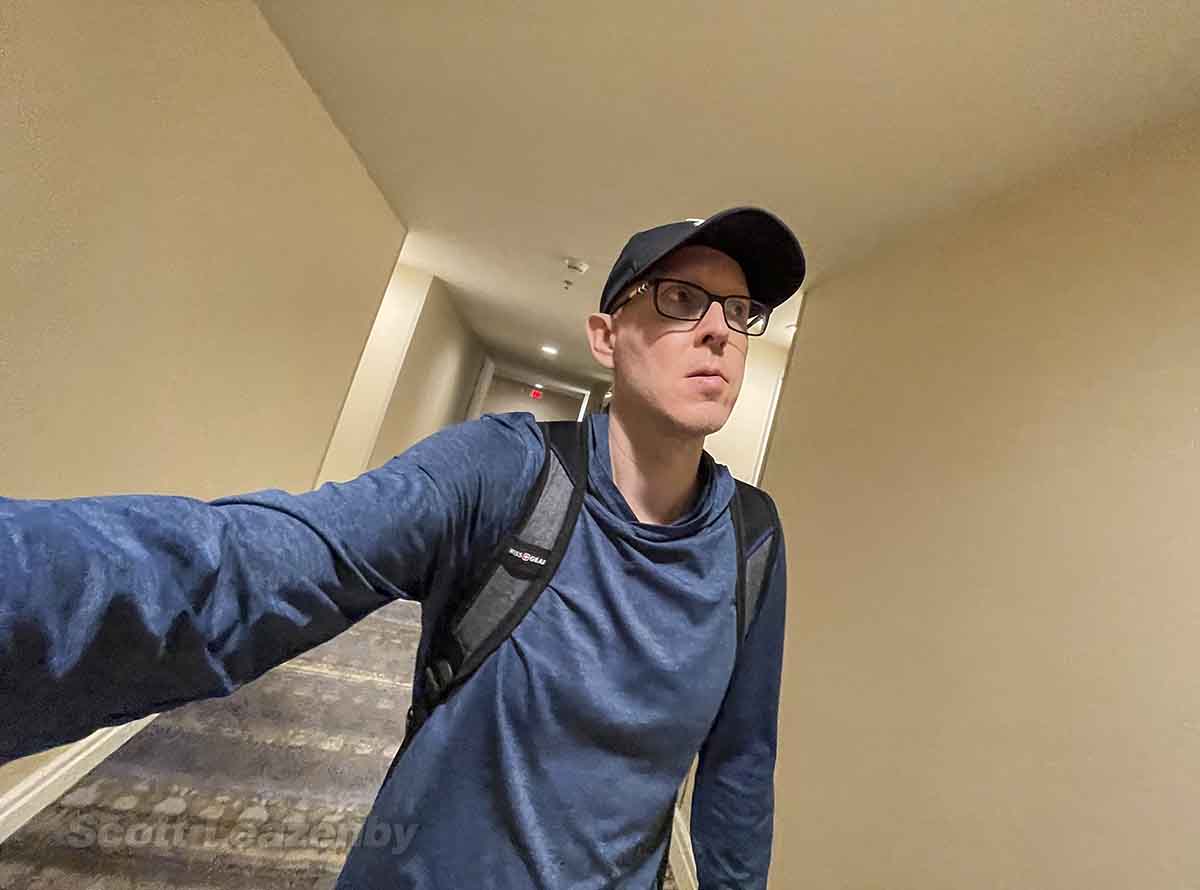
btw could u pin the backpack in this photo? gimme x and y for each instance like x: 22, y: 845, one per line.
x: 527, y: 557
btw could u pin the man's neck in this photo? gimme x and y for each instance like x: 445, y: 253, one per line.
x: 655, y: 468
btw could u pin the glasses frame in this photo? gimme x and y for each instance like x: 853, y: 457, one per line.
x: 655, y: 284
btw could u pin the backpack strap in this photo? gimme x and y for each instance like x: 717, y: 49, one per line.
x: 756, y: 523
x: 520, y: 568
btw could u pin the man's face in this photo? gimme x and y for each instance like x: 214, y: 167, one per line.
x: 687, y: 372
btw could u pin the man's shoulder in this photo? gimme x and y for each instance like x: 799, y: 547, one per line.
x: 492, y: 456
x: 472, y: 443
x: 760, y: 516
x: 512, y: 432
x: 521, y: 424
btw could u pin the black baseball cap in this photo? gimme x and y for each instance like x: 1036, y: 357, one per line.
x: 759, y: 241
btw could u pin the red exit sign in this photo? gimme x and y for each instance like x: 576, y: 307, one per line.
x: 535, y: 393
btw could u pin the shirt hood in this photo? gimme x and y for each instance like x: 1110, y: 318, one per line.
x: 716, y: 490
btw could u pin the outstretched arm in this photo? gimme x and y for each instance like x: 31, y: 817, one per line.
x: 116, y: 607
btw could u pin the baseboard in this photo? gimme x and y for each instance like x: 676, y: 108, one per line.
x: 50, y: 780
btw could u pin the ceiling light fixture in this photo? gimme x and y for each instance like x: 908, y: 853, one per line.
x: 550, y: 350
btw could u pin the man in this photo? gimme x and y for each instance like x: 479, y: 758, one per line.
x: 556, y: 764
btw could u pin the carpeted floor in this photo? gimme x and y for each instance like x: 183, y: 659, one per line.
x: 264, y: 790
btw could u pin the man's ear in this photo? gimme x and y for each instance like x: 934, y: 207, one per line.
x: 600, y: 338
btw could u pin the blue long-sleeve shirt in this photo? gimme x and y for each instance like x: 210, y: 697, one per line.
x: 554, y: 766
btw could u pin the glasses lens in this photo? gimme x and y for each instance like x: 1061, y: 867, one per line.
x: 746, y: 315
x: 677, y: 299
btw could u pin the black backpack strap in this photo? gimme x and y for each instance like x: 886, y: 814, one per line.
x: 522, y: 565
x: 758, y: 533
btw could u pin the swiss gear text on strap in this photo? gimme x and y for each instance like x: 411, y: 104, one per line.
x: 518, y: 572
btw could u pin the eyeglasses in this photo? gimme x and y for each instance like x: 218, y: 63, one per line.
x: 685, y: 301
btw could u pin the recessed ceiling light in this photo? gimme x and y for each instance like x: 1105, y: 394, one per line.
x: 550, y: 350
x: 538, y: 386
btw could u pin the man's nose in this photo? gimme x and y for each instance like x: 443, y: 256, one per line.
x: 712, y: 328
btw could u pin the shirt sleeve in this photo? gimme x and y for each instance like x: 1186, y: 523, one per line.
x: 733, y: 801
x: 115, y: 607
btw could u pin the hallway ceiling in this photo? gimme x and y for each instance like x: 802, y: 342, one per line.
x: 508, y: 136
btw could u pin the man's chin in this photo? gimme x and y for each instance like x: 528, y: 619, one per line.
x: 700, y: 420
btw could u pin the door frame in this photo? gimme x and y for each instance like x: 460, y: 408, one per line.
x: 492, y: 367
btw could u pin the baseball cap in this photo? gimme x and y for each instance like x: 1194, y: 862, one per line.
x: 760, y: 242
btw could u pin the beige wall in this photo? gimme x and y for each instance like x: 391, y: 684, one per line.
x: 737, y: 443
x: 506, y: 395
x: 986, y: 460
x: 193, y: 253
x: 437, y: 380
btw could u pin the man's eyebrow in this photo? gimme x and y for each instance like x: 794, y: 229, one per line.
x: 742, y: 292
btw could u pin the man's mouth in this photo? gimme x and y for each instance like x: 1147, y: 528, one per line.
x: 707, y: 373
